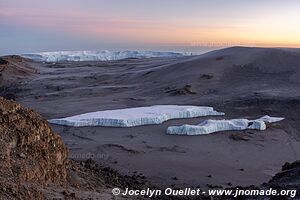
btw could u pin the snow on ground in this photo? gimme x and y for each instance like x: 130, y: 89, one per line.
x: 211, y: 126
x: 271, y: 119
x: 96, y: 55
x: 136, y: 116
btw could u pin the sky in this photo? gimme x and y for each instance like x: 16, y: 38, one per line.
x: 34, y: 25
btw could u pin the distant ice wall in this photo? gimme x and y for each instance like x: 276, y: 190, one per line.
x: 96, y: 55
x: 136, y: 116
x: 211, y: 126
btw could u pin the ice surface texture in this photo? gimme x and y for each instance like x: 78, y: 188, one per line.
x: 136, y: 116
x: 211, y: 126
x: 96, y: 55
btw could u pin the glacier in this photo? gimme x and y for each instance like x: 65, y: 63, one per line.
x: 269, y: 119
x: 137, y: 116
x: 59, y: 56
x: 211, y: 126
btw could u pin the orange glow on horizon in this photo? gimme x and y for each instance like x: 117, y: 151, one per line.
x: 275, y: 31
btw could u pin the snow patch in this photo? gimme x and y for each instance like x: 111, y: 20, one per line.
x: 59, y: 56
x: 211, y: 126
x: 136, y: 116
x: 271, y: 119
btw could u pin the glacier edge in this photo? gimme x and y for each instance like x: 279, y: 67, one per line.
x: 212, y: 126
x: 137, y: 116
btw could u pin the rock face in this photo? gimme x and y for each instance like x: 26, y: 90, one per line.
x: 211, y: 126
x: 139, y: 116
x: 30, y: 151
x: 34, y: 163
x: 3, y: 62
x: 288, y: 177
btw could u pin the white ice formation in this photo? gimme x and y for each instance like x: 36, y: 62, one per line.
x: 269, y: 119
x: 59, y: 56
x: 211, y: 126
x: 136, y: 116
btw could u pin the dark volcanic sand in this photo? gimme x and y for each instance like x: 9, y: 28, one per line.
x: 242, y: 82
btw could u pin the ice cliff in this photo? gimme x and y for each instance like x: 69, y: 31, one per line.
x: 96, y: 55
x: 211, y: 126
x: 136, y: 116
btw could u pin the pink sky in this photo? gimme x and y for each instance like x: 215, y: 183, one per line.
x: 142, y: 22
